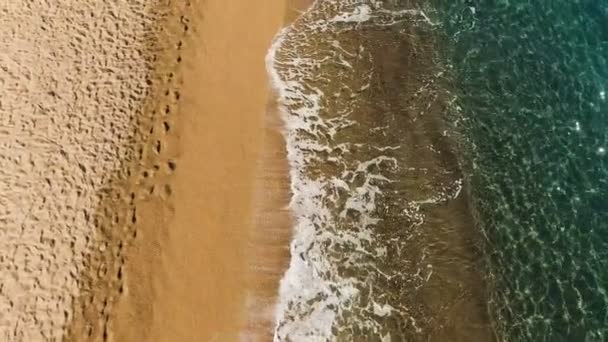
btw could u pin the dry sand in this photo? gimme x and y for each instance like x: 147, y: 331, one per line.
x: 74, y: 79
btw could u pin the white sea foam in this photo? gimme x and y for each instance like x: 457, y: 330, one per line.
x: 360, y: 14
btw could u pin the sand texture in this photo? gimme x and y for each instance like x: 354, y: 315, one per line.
x: 76, y: 136
x: 143, y: 181
x: 188, y: 272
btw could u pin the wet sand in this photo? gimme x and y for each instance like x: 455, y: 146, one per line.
x: 267, y: 249
x: 188, y: 271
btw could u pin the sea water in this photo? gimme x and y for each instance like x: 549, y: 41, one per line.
x: 529, y: 86
x: 382, y: 247
x: 448, y: 169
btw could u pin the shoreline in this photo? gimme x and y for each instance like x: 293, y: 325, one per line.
x: 269, y: 244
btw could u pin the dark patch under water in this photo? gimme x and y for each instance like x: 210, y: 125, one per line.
x: 530, y: 80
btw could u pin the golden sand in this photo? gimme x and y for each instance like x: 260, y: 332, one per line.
x: 75, y: 77
x: 221, y: 122
x: 143, y: 180
x: 142, y: 170
x: 199, y: 262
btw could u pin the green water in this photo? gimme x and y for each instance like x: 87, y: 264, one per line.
x: 530, y: 80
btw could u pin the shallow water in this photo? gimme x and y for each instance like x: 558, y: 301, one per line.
x: 384, y: 246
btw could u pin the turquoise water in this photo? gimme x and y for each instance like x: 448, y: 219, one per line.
x: 530, y: 79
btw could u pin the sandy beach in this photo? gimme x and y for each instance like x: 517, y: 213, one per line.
x: 75, y: 133
x: 144, y: 184
x: 193, y: 270
x: 302, y: 170
x: 156, y: 120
